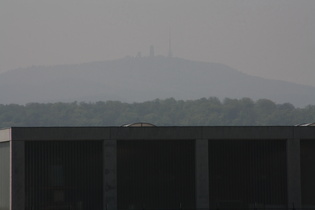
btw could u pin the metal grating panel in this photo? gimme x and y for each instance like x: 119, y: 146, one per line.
x: 156, y: 174
x: 63, y: 175
x: 4, y: 175
x: 308, y: 173
x: 247, y: 174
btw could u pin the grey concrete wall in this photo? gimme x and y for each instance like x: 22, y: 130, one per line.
x: 17, y: 175
x: 4, y: 175
x: 202, y: 174
x: 5, y: 135
x: 110, y: 174
x: 293, y: 173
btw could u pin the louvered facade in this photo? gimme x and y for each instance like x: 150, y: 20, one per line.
x: 120, y: 168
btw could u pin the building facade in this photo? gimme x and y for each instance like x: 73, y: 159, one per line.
x: 157, y: 167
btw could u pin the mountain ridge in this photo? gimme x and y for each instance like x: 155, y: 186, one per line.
x: 142, y: 79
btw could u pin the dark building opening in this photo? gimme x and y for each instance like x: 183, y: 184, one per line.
x: 156, y: 174
x: 63, y: 175
x: 247, y: 174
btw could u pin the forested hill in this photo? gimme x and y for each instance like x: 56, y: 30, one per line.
x: 204, y: 112
x: 143, y: 79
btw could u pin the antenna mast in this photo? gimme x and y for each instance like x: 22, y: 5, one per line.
x: 170, y: 54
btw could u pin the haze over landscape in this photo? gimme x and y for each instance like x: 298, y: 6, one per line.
x: 264, y: 38
x: 138, y: 79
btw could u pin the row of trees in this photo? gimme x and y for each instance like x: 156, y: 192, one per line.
x: 205, y: 111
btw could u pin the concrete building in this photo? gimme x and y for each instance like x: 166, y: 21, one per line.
x: 152, y: 167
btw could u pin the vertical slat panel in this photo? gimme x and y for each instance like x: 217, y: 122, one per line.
x: 4, y: 175
x: 155, y: 174
x: 308, y: 173
x: 247, y: 173
x: 64, y: 175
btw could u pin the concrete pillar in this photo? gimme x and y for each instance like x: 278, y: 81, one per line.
x: 202, y: 174
x: 293, y: 173
x: 110, y: 174
x: 17, y: 175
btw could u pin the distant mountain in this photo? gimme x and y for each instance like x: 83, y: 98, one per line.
x: 141, y: 79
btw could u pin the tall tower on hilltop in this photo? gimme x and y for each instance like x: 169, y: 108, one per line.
x: 170, y: 53
x: 151, y: 51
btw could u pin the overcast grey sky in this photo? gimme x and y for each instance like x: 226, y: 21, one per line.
x: 268, y: 38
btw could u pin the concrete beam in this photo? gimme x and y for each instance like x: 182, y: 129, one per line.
x: 202, y: 174
x: 293, y: 173
x: 5, y: 135
x: 110, y: 174
x: 17, y: 175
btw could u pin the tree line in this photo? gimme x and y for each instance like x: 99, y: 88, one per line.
x: 166, y: 112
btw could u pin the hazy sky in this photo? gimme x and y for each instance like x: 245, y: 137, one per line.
x: 268, y: 38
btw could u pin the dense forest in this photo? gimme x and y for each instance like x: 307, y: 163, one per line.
x: 204, y: 112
